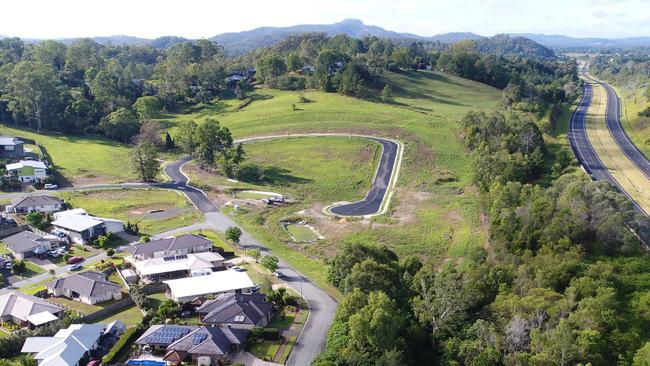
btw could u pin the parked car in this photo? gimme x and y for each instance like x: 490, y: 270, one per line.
x: 54, y: 254
x: 75, y: 267
x: 238, y: 269
x: 51, y: 186
x: 278, y: 274
x: 74, y: 260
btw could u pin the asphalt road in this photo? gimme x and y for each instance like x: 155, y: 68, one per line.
x: 321, y: 305
x: 613, y: 120
x: 371, y: 204
x: 584, y: 151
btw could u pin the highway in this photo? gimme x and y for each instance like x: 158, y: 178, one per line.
x: 586, y: 153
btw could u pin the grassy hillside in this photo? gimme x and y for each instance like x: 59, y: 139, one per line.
x: 83, y: 159
x: 434, y: 212
x: 637, y: 127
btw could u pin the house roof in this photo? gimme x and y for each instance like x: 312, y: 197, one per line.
x: 236, y: 309
x: 42, y: 318
x: 32, y: 201
x: 74, y: 211
x: 217, y: 282
x: 30, y: 163
x: 215, y: 341
x: 8, y: 140
x: 85, y: 283
x: 77, y: 223
x: 24, y: 306
x: 24, y: 241
x: 173, y: 263
x: 175, y: 243
x: 197, y: 340
x: 66, y: 347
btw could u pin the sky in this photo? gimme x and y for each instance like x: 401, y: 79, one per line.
x: 204, y: 19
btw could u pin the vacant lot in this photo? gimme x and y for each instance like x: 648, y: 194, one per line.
x: 138, y: 205
x: 434, y: 213
x: 83, y: 159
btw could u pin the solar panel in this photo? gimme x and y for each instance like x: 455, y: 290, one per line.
x: 198, y: 338
x: 239, y: 318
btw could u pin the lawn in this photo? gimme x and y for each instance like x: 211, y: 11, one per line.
x: 637, y: 127
x: 138, y: 205
x: 75, y: 251
x: 82, y: 159
x: 301, y: 233
x: 130, y: 316
x: 79, y: 306
x: 316, y: 168
x: 265, y: 350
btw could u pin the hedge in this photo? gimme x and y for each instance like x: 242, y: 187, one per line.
x: 125, y: 340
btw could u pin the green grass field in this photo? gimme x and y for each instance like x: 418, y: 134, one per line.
x: 136, y: 205
x: 301, y: 233
x: 82, y: 159
x: 637, y: 127
x: 130, y: 316
x: 434, y: 213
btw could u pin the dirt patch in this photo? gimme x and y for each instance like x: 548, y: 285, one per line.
x: 454, y: 216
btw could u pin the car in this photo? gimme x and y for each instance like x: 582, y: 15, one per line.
x: 54, y: 254
x: 186, y: 314
x: 75, y: 267
x: 75, y: 259
x: 278, y: 274
x: 51, y: 186
x: 238, y: 269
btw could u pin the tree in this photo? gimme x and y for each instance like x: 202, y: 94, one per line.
x: 211, y: 141
x: 105, y: 89
x: 186, y: 137
x: 169, y: 309
x: 270, y: 262
x: 294, y: 62
x: 151, y: 133
x: 34, y: 94
x: 36, y: 219
x: 387, y: 94
x: 120, y: 125
x: 269, y: 67
x: 233, y: 234
x: 169, y: 142
x: 440, y: 301
x: 19, y: 266
x: 642, y: 356
x: 254, y: 253
x: 144, y: 161
x: 147, y: 107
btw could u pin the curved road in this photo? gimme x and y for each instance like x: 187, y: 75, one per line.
x: 387, y: 171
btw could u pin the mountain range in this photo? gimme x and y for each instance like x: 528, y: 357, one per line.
x: 237, y: 43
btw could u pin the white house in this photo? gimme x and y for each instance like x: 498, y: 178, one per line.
x: 175, y: 266
x: 28, y: 171
x: 83, y: 228
x: 38, y: 203
x: 188, y: 289
x: 67, y: 347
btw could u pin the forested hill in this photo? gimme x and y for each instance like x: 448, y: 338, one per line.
x: 504, y: 44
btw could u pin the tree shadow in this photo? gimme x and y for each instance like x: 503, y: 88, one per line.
x: 275, y: 175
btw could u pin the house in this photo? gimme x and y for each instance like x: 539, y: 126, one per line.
x: 27, y: 244
x: 230, y: 281
x: 28, y: 311
x: 82, y: 229
x: 11, y: 147
x: 307, y: 69
x: 88, y: 287
x: 28, y: 171
x: 74, y: 211
x: 175, y: 266
x: 237, y: 311
x: 184, y: 343
x: 183, y: 244
x: 40, y: 203
x: 67, y: 347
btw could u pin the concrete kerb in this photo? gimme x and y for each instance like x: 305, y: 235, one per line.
x: 385, y: 204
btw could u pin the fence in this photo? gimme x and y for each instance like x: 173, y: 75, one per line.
x: 109, y: 310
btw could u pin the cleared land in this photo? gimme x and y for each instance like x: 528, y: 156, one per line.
x: 434, y: 212
x: 82, y: 159
x: 301, y: 233
x: 138, y: 205
x: 628, y: 176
